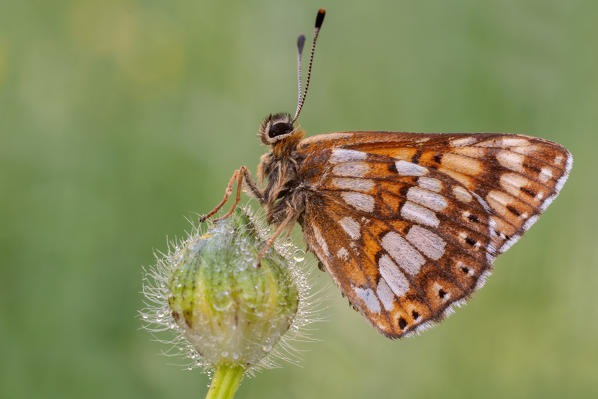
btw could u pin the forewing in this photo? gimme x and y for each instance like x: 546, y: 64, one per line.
x: 409, y: 224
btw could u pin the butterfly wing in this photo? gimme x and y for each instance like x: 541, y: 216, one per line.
x: 408, y: 225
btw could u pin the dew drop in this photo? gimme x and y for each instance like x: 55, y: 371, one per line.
x: 299, y: 255
x: 222, y: 301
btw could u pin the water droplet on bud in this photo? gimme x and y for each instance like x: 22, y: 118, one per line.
x: 299, y: 255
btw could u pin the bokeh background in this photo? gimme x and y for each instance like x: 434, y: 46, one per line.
x: 118, y: 119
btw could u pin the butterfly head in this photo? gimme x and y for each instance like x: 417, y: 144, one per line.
x: 280, y: 128
x: 276, y: 128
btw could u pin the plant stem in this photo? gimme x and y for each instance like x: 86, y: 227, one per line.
x: 225, y: 382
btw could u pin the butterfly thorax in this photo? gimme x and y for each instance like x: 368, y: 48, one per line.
x: 278, y: 168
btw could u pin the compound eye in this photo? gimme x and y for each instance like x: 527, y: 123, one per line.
x: 278, y: 129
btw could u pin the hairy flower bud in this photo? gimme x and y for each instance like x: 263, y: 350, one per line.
x: 210, y: 289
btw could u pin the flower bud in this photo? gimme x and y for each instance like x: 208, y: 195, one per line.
x: 230, y: 310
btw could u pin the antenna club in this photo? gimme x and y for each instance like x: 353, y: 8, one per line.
x: 300, y: 43
x: 320, y: 18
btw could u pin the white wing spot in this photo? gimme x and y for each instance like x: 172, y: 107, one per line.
x: 430, y: 184
x: 353, y: 169
x: 505, y: 142
x: 461, y: 194
x: 351, y: 227
x: 499, y: 196
x: 461, y: 164
x: 514, y: 142
x: 545, y: 174
x: 402, y: 252
x: 359, y: 201
x: 419, y: 214
x: 512, y: 182
x: 426, y: 198
x: 462, y: 142
x: 342, y: 155
x: 320, y: 240
x: 492, y: 227
x: 410, y: 169
x: 353, y: 184
x: 429, y: 243
x: 393, y: 276
x: 510, y: 160
x: 385, y: 295
x: 369, y: 298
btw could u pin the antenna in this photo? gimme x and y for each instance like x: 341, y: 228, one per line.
x: 300, y: 43
x: 319, y: 21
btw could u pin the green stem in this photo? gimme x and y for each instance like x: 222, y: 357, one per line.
x: 225, y: 382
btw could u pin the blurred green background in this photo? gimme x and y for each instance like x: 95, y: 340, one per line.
x: 120, y: 118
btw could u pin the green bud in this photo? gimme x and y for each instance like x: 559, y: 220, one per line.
x: 213, y: 293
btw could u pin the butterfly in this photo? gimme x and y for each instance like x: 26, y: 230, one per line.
x: 407, y: 224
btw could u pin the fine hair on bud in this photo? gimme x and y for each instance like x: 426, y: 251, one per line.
x: 224, y: 308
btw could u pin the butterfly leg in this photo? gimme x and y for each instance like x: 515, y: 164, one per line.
x: 253, y: 189
x: 240, y: 175
x: 278, y: 231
